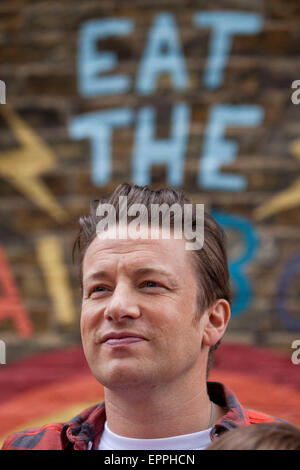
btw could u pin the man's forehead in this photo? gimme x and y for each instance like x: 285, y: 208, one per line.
x: 160, y: 240
x: 141, y: 253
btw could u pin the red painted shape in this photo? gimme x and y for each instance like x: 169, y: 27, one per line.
x: 10, y: 304
x: 260, y: 362
x: 41, y: 370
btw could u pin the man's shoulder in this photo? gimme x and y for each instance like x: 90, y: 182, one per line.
x: 237, y: 414
x: 44, y: 437
x: 53, y: 436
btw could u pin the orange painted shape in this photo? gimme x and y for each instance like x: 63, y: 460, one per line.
x: 10, y: 304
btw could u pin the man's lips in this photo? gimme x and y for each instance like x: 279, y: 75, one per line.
x: 121, y: 338
x: 123, y: 341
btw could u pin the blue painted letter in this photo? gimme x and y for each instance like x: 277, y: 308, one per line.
x: 92, y: 63
x: 225, y: 24
x: 243, y: 290
x: 156, y: 61
x: 218, y: 151
x: 98, y: 127
x: 171, y: 151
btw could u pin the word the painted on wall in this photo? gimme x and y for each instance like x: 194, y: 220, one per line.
x: 162, y: 55
x: 148, y: 151
x: 296, y: 94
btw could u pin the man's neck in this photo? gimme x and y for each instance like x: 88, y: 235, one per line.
x: 143, y: 412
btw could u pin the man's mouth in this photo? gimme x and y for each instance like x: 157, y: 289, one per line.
x: 123, y: 341
x: 124, y: 338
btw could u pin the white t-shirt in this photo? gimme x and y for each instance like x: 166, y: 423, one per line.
x: 195, y: 441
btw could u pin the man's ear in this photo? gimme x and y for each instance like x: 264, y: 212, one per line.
x: 217, y: 318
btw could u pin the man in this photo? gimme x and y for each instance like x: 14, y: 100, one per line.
x: 153, y: 310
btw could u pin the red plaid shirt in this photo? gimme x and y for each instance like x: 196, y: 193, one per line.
x: 84, y: 431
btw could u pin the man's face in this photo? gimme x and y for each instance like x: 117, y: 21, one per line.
x: 143, y: 290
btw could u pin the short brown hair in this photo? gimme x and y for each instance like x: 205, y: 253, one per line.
x: 210, y: 261
x: 262, y: 436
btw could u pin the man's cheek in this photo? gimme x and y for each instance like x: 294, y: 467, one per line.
x: 86, y: 329
x: 82, y: 325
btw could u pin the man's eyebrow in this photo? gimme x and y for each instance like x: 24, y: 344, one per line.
x: 96, y: 275
x: 151, y: 270
x: 103, y: 274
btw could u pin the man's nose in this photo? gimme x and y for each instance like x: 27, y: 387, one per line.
x: 122, y: 304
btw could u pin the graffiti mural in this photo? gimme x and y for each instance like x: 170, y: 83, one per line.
x: 190, y: 96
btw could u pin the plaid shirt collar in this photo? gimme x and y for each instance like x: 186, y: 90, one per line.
x: 84, y: 431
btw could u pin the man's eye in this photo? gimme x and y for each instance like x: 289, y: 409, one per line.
x: 150, y: 284
x: 98, y: 289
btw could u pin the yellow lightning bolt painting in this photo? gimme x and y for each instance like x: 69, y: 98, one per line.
x: 286, y: 199
x: 23, y: 166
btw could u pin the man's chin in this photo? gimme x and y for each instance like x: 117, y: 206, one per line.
x: 121, y: 378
